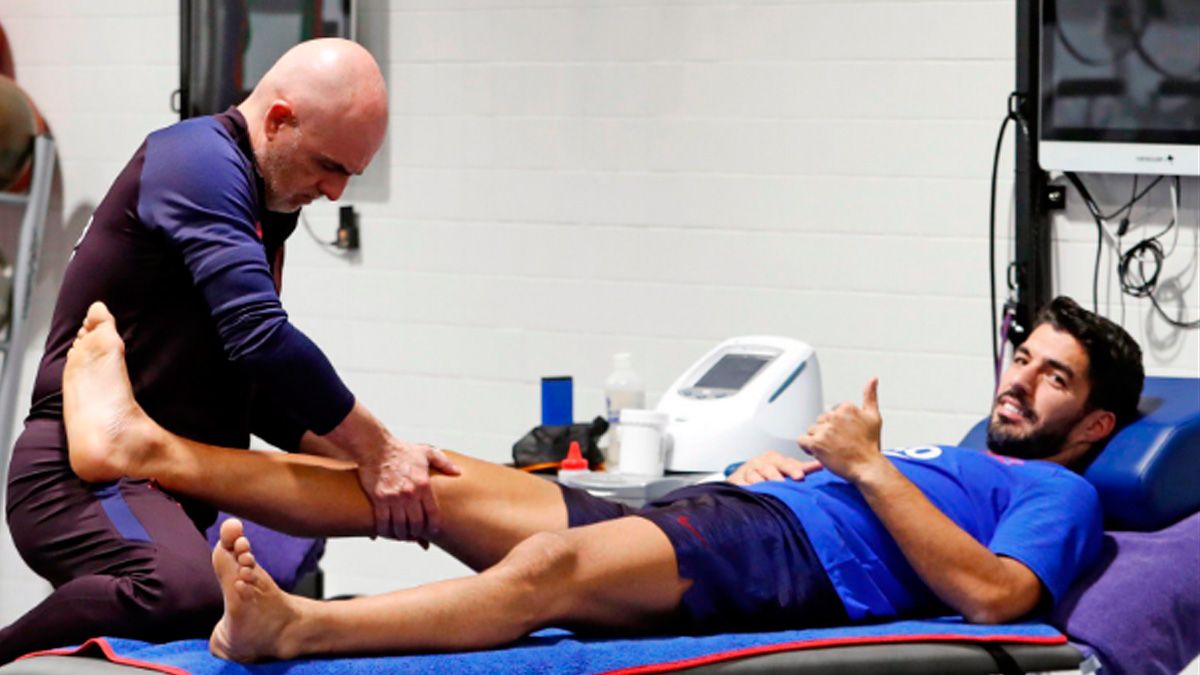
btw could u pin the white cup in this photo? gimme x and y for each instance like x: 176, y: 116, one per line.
x: 642, y: 435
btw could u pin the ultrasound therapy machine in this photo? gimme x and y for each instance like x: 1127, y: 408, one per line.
x: 744, y: 397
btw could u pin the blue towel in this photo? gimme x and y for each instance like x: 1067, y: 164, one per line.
x: 557, y: 651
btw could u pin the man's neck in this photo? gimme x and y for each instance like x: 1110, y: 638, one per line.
x: 1072, y: 456
x: 251, y: 113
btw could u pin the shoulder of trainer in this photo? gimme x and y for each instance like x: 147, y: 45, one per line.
x: 196, y: 165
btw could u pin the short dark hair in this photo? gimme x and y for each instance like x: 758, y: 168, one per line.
x: 1115, y: 370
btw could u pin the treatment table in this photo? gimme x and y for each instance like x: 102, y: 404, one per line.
x: 1137, y: 611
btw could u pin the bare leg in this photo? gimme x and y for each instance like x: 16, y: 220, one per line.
x: 486, y: 511
x: 619, y: 574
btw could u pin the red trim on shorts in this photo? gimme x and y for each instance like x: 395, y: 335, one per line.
x: 107, y: 652
x: 683, y: 520
x: 832, y: 642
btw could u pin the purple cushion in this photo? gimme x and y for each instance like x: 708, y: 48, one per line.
x: 1139, y: 608
x: 284, y: 557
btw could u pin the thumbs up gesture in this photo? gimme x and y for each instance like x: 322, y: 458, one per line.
x: 845, y: 440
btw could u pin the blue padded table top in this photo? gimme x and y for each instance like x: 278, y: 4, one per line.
x: 1148, y: 472
x: 557, y: 651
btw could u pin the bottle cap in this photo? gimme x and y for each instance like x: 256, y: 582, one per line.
x: 574, y: 460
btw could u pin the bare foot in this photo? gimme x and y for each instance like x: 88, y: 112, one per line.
x: 258, y: 615
x: 107, y: 431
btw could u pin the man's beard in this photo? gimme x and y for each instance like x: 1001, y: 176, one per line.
x: 274, y: 164
x: 1040, y: 443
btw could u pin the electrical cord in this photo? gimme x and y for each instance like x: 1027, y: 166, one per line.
x: 308, y: 228
x: 1147, y: 254
x: 1137, y: 197
x: 1013, y: 114
x: 1139, y: 267
x: 1096, y: 215
x: 330, y: 247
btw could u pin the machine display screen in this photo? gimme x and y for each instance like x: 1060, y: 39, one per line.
x: 733, y: 371
x: 1121, y: 70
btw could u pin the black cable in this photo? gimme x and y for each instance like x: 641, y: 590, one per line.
x: 1132, y: 200
x: 1096, y: 268
x: 1123, y: 226
x: 1145, y: 257
x: 1095, y: 211
x: 1141, y: 287
x: 1174, y: 322
x: 1095, y: 208
x: 331, y: 245
x: 1013, y: 114
x: 1148, y: 254
x: 1099, y: 217
x: 992, y: 237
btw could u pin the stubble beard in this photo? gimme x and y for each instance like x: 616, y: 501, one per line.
x: 1040, y: 442
x: 275, y: 163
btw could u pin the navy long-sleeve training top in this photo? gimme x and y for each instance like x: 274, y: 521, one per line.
x: 185, y: 254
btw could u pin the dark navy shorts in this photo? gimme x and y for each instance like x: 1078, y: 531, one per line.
x: 750, y: 561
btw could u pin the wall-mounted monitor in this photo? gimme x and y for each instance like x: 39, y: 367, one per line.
x: 1120, y: 86
x: 227, y: 45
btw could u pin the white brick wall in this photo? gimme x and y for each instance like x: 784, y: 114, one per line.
x: 565, y: 179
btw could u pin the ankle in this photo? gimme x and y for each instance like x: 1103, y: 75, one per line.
x: 301, y: 632
x: 147, y: 451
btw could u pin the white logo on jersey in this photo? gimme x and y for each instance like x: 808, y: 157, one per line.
x: 924, y: 452
x: 82, y: 235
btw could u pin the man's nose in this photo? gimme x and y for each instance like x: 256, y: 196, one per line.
x: 1023, y: 377
x: 333, y: 187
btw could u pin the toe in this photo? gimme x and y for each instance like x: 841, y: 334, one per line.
x: 97, y: 314
x: 231, y: 531
x: 241, y: 545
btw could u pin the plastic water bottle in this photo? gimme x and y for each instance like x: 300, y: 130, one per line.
x: 622, y: 389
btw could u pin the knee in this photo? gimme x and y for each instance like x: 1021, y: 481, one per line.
x: 536, y: 577
x: 541, y: 558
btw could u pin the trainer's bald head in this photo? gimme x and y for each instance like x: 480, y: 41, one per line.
x: 328, y: 95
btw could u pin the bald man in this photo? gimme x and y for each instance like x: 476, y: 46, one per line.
x: 187, y: 251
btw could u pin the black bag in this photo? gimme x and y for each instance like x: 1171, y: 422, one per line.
x: 545, y: 446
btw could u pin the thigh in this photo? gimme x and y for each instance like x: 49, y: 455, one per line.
x: 65, y: 528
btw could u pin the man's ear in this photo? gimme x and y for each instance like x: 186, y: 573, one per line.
x: 1095, y: 426
x: 279, y: 114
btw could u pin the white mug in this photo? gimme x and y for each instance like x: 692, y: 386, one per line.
x: 642, y: 434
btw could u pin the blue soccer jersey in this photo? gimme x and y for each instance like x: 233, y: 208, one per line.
x: 1036, y: 512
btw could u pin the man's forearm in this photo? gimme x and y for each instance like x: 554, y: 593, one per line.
x: 312, y: 444
x: 360, y: 437
x: 983, y: 587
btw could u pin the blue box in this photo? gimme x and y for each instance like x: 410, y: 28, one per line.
x: 558, y: 401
